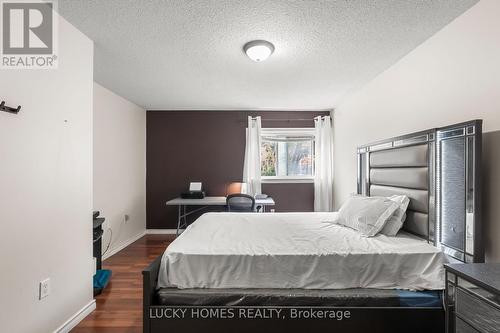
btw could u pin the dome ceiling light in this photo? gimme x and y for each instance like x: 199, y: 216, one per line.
x: 258, y: 50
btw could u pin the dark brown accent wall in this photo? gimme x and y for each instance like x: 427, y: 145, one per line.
x: 209, y: 146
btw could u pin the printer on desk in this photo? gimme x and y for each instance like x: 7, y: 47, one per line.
x: 195, y: 191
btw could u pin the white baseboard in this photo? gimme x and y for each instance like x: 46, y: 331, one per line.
x: 123, y: 245
x: 162, y: 231
x: 76, y: 318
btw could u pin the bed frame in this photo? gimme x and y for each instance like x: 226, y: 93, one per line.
x: 438, y: 169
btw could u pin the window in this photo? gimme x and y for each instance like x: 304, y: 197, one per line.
x: 287, y: 155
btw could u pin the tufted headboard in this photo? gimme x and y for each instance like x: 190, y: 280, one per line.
x: 439, y: 170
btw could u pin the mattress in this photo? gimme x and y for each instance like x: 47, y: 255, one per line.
x: 300, y: 297
x: 295, y: 251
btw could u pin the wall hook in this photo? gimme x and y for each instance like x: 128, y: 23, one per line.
x: 9, y: 109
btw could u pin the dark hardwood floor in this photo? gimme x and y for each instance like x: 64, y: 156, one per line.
x: 119, y: 307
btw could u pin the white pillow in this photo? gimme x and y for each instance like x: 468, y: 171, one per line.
x: 395, y: 222
x: 367, y: 215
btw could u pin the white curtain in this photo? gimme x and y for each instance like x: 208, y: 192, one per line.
x: 251, y: 168
x: 323, y: 151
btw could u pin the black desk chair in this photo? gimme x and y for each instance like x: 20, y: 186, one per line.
x: 240, y: 203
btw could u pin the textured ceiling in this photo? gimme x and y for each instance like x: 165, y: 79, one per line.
x: 188, y: 54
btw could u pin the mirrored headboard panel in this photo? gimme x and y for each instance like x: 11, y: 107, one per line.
x: 439, y: 170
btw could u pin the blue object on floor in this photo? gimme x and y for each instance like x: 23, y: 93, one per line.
x: 101, y: 279
x: 424, y: 298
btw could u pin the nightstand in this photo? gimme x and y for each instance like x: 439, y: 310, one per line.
x: 472, y: 298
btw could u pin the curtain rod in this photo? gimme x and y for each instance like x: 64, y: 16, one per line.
x: 285, y: 119
x: 278, y: 119
x: 299, y: 119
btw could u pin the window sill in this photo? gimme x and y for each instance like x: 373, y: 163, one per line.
x: 287, y: 180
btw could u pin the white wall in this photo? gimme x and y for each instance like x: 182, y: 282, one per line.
x: 452, y: 77
x: 119, y: 167
x: 46, y: 189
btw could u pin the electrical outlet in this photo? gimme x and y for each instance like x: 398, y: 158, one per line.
x: 44, y: 288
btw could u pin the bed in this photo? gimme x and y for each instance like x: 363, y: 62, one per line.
x: 296, y: 251
x: 291, y: 271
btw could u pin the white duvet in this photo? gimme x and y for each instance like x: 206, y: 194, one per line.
x: 295, y: 250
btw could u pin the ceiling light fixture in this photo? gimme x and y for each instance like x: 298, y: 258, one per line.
x: 258, y: 50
